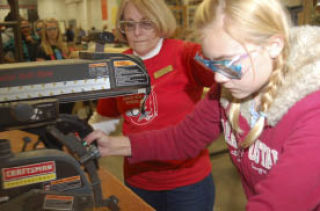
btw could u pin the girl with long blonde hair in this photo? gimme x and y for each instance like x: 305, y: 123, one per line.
x: 52, y: 45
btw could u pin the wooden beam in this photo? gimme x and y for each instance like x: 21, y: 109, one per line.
x: 305, y: 15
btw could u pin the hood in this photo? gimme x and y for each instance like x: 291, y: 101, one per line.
x: 302, y: 79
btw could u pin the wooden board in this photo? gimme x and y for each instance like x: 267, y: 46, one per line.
x: 16, y: 139
x: 128, y: 200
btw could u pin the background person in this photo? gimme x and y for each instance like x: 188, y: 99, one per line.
x: 177, y: 81
x: 52, y: 45
x: 81, y: 35
x: 271, y: 131
x: 30, y: 42
x: 70, y: 34
x: 6, y: 35
x: 7, y: 32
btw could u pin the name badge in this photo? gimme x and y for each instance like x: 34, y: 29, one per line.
x: 162, y: 72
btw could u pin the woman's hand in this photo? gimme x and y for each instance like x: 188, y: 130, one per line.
x: 108, y: 145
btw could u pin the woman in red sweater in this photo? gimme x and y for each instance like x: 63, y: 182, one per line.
x: 177, y: 85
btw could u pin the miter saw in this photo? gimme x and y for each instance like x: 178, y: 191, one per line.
x: 50, y: 179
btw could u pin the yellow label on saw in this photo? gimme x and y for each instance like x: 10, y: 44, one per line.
x: 122, y: 63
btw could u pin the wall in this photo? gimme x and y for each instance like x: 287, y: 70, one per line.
x: 24, y: 5
x: 291, y: 3
x: 52, y: 9
x: 94, y: 14
x: 86, y: 13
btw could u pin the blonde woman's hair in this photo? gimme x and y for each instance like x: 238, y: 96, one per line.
x: 156, y: 11
x: 257, y: 21
x: 45, y: 44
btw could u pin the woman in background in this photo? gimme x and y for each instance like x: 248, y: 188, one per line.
x: 52, y: 46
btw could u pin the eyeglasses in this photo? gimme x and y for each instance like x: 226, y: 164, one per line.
x: 228, y: 68
x: 51, y: 28
x: 38, y: 29
x: 127, y: 26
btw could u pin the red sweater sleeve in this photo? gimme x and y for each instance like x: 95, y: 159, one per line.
x: 201, y: 75
x: 182, y: 141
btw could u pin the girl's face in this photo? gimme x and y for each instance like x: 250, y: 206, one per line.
x: 141, y: 34
x: 256, y: 64
x: 52, y: 31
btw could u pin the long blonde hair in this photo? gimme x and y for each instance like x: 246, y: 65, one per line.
x: 155, y: 10
x: 45, y: 44
x: 258, y: 20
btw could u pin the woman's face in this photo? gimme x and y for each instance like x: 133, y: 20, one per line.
x: 25, y: 28
x: 141, y: 39
x: 256, y: 63
x: 52, y: 31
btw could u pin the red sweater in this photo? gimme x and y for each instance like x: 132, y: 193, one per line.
x: 177, y: 85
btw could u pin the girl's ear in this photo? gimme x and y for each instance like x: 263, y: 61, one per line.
x: 275, y: 46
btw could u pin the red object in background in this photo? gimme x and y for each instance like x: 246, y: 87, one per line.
x: 104, y: 9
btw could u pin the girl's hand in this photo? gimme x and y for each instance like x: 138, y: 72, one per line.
x: 108, y: 145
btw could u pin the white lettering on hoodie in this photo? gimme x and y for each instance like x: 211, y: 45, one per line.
x: 259, y: 152
x: 262, y: 154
